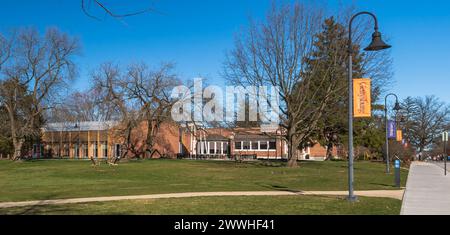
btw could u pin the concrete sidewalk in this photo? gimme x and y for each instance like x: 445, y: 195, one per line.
x: 396, y: 194
x: 427, y: 190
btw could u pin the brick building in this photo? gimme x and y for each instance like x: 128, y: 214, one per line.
x: 101, y: 140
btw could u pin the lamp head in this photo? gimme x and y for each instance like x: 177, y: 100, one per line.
x: 377, y: 43
x: 397, y: 107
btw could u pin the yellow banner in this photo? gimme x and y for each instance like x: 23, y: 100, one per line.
x: 362, y: 98
x: 399, y: 136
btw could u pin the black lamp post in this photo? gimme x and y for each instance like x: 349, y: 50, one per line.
x: 396, y: 109
x: 377, y: 44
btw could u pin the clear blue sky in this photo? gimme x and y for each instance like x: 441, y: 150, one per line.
x: 196, y: 34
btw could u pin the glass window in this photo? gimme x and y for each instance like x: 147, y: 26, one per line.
x: 255, y: 145
x: 225, y: 148
x: 219, y: 148
x: 212, y: 149
x: 85, y: 151
x: 238, y: 145
x: 105, y: 150
x: 263, y: 145
x: 272, y: 145
x: 246, y: 145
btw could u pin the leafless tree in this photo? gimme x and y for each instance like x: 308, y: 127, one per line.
x: 281, y: 52
x: 33, y: 80
x: 140, y: 95
x: 424, y: 120
x: 5, y: 50
x: 274, y: 53
x: 82, y: 107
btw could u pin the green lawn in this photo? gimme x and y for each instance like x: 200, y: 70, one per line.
x: 59, y: 179
x: 261, y: 205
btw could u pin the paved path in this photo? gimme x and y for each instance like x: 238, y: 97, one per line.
x: 427, y: 190
x: 396, y: 194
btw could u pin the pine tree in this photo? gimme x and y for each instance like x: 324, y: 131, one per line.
x: 330, y: 59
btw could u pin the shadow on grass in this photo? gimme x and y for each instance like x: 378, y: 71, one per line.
x: 384, y: 185
x: 31, y: 210
x: 279, y: 188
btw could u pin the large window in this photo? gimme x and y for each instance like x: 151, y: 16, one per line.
x: 105, y: 150
x: 255, y: 145
x: 273, y: 145
x: 95, y: 150
x: 212, y: 148
x: 215, y: 147
x: 246, y: 145
x: 219, y: 147
x: 225, y: 148
x: 238, y: 145
x: 263, y: 145
x: 85, y: 151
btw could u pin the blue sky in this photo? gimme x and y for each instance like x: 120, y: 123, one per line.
x: 195, y: 34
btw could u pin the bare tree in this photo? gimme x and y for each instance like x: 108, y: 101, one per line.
x: 425, y: 119
x: 5, y: 50
x: 140, y: 96
x: 84, y: 106
x: 32, y: 81
x: 275, y: 53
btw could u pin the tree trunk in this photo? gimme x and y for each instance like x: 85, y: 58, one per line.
x: 17, y: 149
x: 292, y: 148
x: 149, y: 141
x: 329, y: 152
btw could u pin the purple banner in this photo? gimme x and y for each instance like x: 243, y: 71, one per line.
x: 392, y: 130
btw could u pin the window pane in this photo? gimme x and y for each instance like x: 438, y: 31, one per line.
x: 225, y: 148
x: 263, y: 145
x: 212, y: 149
x: 246, y: 145
x: 219, y: 148
x: 105, y: 150
x: 272, y: 145
x: 238, y: 145
x: 255, y: 145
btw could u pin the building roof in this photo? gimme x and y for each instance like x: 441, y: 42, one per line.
x: 79, y: 126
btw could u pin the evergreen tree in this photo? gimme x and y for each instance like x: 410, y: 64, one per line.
x: 330, y: 58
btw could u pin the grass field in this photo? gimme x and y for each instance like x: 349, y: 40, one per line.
x: 260, y: 205
x: 60, y: 179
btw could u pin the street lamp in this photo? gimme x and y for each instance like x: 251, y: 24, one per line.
x: 377, y: 44
x: 396, y: 109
